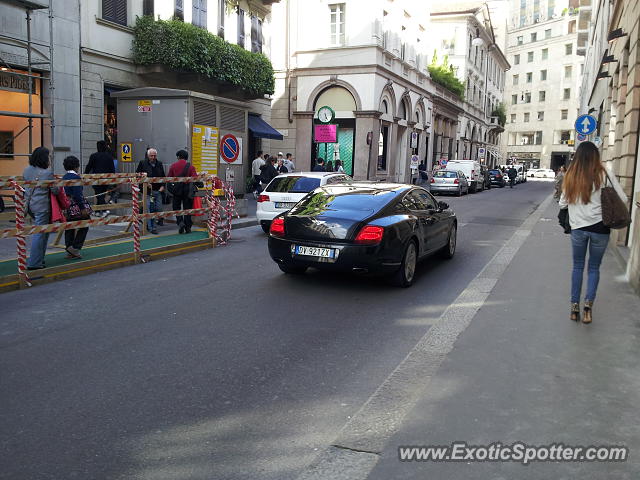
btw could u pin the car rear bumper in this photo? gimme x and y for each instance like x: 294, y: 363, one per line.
x: 444, y: 188
x: 355, y: 258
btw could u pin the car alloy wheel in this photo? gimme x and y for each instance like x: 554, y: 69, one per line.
x: 406, y: 273
x: 449, y: 249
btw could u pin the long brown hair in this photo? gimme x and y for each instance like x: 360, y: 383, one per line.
x: 585, y: 174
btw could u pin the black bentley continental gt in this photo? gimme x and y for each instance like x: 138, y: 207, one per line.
x: 377, y: 228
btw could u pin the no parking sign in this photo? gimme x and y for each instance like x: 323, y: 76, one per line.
x: 231, y: 149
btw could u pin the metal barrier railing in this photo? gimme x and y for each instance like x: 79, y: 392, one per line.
x: 212, y: 206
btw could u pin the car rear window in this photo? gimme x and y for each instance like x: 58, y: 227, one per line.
x: 293, y: 184
x: 445, y: 174
x: 495, y: 172
x: 324, y: 201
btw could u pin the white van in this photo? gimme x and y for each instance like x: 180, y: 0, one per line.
x: 471, y: 170
x: 522, y: 173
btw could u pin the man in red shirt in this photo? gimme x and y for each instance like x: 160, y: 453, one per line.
x: 181, y: 198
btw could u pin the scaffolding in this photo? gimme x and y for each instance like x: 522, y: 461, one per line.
x: 29, y: 6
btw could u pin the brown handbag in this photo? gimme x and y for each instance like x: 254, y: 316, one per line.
x: 615, y: 213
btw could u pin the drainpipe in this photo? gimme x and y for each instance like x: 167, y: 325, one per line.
x: 287, y: 64
x: 52, y: 88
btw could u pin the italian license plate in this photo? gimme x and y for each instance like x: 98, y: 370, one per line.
x: 314, y: 251
x: 285, y: 204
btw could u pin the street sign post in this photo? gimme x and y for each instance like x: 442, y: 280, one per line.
x: 597, y: 141
x: 481, y: 152
x: 586, y: 124
x: 230, y: 149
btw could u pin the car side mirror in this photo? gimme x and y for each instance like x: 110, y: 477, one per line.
x: 443, y: 205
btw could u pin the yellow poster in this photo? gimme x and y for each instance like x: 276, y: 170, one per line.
x: 204, y: 149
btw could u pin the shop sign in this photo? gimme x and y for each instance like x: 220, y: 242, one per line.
x: 325, y: 133
x: 16, y: 83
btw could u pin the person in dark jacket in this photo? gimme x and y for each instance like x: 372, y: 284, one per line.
x: 512, y: 174
x: 281, y: 167
x: 182, y: 201
x: 319, y: 165
x: 38, y: 204
x: 73, y: 238
x: 269, y: 172
x: 153, y: 168
x: 101, y: 162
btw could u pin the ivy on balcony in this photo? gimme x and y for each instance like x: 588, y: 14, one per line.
x: 500, y: 112
x: 445, y: 76
x: 185, y: 47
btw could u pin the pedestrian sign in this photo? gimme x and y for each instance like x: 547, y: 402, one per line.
x: 586, y: 124
x: 125, y: 152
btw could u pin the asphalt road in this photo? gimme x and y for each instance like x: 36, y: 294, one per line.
x: 215, y: 365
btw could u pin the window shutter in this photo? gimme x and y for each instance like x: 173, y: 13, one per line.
x: 221, y: 14
x: 147, y: 7
x: 256, y: 35
x: 178, y: 11
x: 115, y: 11
x: 203, y: 14
x: 195, y: 13
x: 241, y: 27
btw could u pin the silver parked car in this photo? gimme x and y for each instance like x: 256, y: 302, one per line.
x: 449, y: 181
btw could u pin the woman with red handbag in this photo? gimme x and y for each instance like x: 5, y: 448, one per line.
x: 78, y: 209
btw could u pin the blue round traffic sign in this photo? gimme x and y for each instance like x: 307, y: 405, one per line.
x: 586, y: 124
x: 229, y: 148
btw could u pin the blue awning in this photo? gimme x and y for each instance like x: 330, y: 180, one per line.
x: 262, y: 129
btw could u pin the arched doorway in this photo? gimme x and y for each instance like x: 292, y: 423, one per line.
x: 343, y: 104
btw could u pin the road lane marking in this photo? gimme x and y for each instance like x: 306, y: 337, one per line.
x: 356, y: 450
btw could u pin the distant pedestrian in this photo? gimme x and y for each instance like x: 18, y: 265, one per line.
x: 38, y: 204
x: 329, y: 166
x: 281, y: 167
x: 288, y: 162
x: 153, y: 168
x: 181, y: 199
x: 558, y: 183
x: 512, y: 173
x: 339, y: 167
x: 581, y: 190
x: 255, y: 171
x: 101, y: 162
x: 74, y: 237
x: 268, y: 171
x: 319, y: 165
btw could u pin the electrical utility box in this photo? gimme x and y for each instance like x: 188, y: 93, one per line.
x: 212, y: 129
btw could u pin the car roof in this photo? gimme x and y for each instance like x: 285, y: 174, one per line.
x: 310, y: 174
x: 364, y: 186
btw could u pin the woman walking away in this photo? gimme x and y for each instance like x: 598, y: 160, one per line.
x: 558, y: 182
x: 581, y: 189
x: 38, y: 204
x: 74, y: 238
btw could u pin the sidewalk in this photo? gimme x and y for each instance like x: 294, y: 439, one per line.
x: 523, y: 372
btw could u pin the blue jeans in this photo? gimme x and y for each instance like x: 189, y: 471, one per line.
x: 39, y: 242
x: 154, y: 204
x: 597, y: 243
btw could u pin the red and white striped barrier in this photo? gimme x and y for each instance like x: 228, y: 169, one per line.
x: 135, y: 207
x: 21, y: 243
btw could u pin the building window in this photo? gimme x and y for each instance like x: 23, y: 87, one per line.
x: 221, y: 13
x: 147, y: 7
x: 115, y: 11
x: 547, y: 33
x: 568, y: 48
x: 178, y: 10
x: 542, y: 96
x: 538, y: 138
x: 530, y: 57
x: 567, y: 94
x: 564, y: 114
x: 516, y: 59
x: 520, y: 40
x: 567, y: 71
x: 543, y: 75
x: 240, y: 27
x: 403, y: 43
x: 527, y: 139
x: 6, y: 145
x: 565, y: 136
x: 545, y: 53
x: 540, y: 116
x: 199, y: 16
x: 256, y: 34
x: 534, y: 37
x: 337, y: 23
x: 514, y: 99
x: 513, y: 118
x: 572, y: 26
x: 515, y: 79
x: 382, y: 148
x: 529, y: 77
x: 526, y: 116
x: 527, y: 98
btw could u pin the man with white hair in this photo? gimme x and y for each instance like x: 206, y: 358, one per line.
x: 153, y: 168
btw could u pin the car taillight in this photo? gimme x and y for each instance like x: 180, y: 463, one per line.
x: 277, y: 227
x: 369, y: 235
x: 263, y: 198
x: 456, y: 181
x: 433, y: 180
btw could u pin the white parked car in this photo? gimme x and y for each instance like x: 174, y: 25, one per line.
x: 287, y: 189
x: 532, y: 172
x: 545, y: 173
